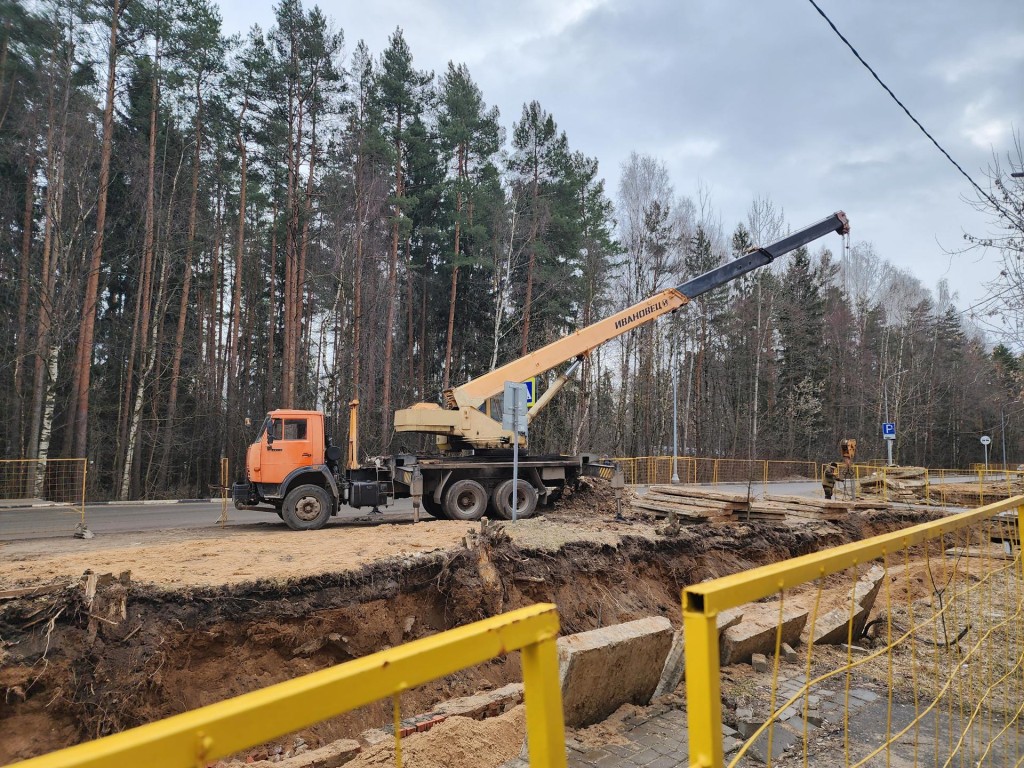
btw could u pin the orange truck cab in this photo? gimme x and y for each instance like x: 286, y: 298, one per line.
x: 292, y: 469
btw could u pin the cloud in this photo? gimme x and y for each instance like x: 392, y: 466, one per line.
x: 990, y: 55
x: 691, y: 147
x: 981, y: 127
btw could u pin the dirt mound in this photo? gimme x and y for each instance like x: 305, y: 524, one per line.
x: 458, y: 742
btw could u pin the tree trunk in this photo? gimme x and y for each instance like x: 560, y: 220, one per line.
x: 409, y: 315
x: 389, y: 328
x: 534, y: 229
x: 357, y: 287
x: 80, y: 421
x: 455, y: 267
x: 140, y: 328
x: 236, y: 293
x: 55, y: 159
x: 130, y: 468
x: 271, y: 309
x: 24, y: 275
x: 186, y: 288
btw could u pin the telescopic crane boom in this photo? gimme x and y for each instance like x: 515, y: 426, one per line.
x: 460, y: 424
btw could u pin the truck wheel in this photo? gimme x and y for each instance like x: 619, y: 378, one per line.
x: 526, y: 500
x: 307, y: 508
x: 465, y: 500
x: 432, y: 508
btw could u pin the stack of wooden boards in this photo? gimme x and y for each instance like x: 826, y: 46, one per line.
x: 698, y: 504
x: 804, y: 506
x: 690, y: 503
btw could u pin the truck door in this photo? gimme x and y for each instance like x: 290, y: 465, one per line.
x: 290, y: 448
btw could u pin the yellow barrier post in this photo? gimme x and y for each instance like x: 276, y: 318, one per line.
x: 703, y: 689
x: 204, y: 735
x: 545, y: 720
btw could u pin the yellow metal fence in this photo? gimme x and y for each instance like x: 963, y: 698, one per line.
x: 937, y: 487
x: 651, y: 470
x: 935, y: 679
x: 204, y: 735
x: 42, y: 495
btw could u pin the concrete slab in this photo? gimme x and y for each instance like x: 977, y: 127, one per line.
x: 831, y: 628
x: 739, y: 643
x: 675, y: 667
x: 675, y: 663
x: 605, y: 668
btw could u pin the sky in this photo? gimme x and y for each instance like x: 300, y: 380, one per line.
x: 751, y: 99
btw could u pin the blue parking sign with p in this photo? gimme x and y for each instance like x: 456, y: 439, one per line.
x: 888, y: 429
x: 531, y: 388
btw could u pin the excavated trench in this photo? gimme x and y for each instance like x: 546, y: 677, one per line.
x: 74, y: 668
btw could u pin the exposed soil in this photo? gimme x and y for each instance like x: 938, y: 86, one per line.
x: 182, y: 634
x: 458, y: 742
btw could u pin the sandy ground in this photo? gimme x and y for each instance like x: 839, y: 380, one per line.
x: 182, y: 558
x: 208, y: 557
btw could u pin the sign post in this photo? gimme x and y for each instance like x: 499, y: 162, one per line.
x: 889, y: 435
x: 986, y: 441
x: 513, y: 418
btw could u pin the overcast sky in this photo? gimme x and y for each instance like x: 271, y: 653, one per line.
x: 750, y: 99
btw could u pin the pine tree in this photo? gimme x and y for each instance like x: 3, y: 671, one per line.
x: 401, y: 93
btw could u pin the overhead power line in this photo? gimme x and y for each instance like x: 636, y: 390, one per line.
x: 902, y: 106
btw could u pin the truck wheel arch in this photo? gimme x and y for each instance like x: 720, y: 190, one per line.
x: 318, y: 474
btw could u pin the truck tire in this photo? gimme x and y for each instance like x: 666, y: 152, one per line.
x: 432, y: 508
x: 307, y: 508
x: 526, y: 500
x: 465, y: 500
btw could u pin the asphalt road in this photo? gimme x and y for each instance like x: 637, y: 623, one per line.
x: 19, y: 523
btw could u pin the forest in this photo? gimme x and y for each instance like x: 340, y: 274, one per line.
x: 198, y: 228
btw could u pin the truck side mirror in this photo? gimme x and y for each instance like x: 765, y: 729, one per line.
x: 270, y: 436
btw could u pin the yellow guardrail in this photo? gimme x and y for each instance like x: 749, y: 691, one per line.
x: 956, y: 663
x: 651, y: 470
x: 197, y: 738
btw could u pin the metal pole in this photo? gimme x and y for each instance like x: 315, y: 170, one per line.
x: 986, y: 459
x: 885, y: 395
x: 675, y: 427
x: 515, y: 453
x: 1002, y: 433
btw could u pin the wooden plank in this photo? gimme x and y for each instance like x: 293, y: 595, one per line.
x: 45, y: 589
x: 681, y: 511
x: 700, y: 492
x: 809, y: 501
x: 664, y: 498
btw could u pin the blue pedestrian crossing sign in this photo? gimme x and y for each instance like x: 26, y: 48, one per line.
x: 531, y: 388
x: 888, y: 430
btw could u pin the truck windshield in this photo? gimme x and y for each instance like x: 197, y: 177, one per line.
x: 263, y: 429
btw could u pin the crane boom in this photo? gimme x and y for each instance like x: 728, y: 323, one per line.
x: 474, y: 393
x: 461, y: 423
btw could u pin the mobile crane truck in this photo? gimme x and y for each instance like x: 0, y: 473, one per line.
x: 293, y: 468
